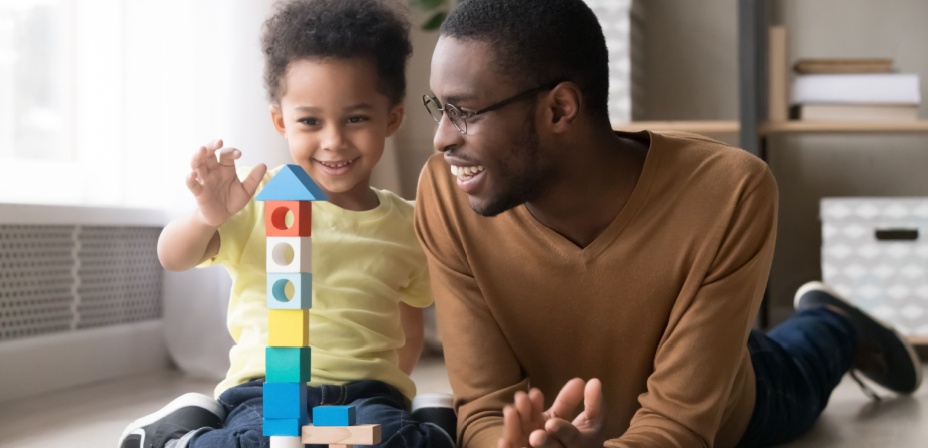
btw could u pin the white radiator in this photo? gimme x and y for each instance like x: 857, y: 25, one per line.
x: 80, y: 296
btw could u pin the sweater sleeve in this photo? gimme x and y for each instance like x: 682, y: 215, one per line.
x: 483, y: 371
x: 702, y: 349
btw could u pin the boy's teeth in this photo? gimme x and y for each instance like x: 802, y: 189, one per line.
x: 466, y: 171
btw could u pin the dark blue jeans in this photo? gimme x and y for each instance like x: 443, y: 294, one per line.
x: 797, y: 364
x: 376, y: 402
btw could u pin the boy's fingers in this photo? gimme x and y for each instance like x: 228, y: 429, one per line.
x: 559, y: 433
x: 227, y: 156
x: 538, y: 403
x: 254, y: 178
x: 512, y: 426
x: 193, y: 184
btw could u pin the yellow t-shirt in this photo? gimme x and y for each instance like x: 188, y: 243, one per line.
x: 364, y: 264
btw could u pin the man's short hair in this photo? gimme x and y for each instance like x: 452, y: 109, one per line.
x: 539, y: 41
x: 377, y: 30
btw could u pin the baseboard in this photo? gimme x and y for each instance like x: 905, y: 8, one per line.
x: 43, y: 364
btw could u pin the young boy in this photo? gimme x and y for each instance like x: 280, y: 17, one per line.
x: 335, y: 77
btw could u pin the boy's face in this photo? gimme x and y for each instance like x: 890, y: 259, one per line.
x: 336, y: 122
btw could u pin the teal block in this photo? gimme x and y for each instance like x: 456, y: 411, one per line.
x: 288, y: 364
x: 283, y: 427
x: 285, y: 401
x: 302, y: 291
x: 334, y: 416
x: 291, y: 183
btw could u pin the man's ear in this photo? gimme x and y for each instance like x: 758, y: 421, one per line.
x: 277, y: 117
x: 565, y: 102
x: 395, y: 117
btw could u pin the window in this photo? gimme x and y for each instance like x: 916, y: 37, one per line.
x: 102, y: 102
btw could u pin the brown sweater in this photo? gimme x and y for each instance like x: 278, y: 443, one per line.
x: 658, y: 307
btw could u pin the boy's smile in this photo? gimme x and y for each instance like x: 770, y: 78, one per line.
x: 336, y: 122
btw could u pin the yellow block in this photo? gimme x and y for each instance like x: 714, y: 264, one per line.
x: 344, y: 435
x: 287, y: 328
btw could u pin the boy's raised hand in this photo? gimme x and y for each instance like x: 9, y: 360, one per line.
x: 216, y: 186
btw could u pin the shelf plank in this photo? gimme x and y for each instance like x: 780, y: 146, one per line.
x: 842, y: 127
x: 696, y: 127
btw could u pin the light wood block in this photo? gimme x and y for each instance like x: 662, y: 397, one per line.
x: 288, y: 328
x: 344, y: 435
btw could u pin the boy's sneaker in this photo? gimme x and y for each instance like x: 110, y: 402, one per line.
x: 437, y: 409
x: 186, y: 413
x: 884, y: 355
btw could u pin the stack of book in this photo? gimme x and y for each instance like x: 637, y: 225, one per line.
x: 853, y: 90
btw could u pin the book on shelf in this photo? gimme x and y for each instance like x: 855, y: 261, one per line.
x: 856, y: 88
x: 824, y: 66
x: 855, y: 112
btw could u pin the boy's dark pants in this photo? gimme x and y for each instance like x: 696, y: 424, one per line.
x: 376, y: 402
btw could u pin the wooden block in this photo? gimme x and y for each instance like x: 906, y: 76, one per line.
x: 282, y: 427
x: 285, y: 401
x: 288, y: 328
x: 344, y: 435
x: 293, y: 291
x: 288, y: 218
x: 291, y: 183
x: 289, y: 254
x: 288, y: 364
x: 286, y: 442
x: 334, y: 416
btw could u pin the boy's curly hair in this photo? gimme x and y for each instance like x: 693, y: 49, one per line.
x: 316, y: 29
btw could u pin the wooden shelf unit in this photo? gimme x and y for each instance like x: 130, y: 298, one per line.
x: 698, y: 127
x: 842, y: 127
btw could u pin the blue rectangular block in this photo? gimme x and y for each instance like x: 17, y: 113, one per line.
x: 285, y: 401
x: 283, y: 427
x: 288, y: 364
x: 333, y: 416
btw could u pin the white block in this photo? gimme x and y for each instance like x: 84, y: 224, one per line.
x: 289, y: 254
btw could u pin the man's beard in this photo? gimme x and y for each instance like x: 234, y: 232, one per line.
x: 524, y: 186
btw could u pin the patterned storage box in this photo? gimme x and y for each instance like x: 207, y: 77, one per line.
x: 875, y: 252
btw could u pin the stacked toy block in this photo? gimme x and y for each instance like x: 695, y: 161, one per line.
x: 288, y: 198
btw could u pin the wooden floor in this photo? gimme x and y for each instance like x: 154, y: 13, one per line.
x: 93, y: 416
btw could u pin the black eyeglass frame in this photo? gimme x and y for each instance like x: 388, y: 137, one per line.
x: 426, y: 99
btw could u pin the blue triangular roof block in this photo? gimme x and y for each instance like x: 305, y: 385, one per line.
x: 291, y: 183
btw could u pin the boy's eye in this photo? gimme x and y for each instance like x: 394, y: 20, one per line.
x: 310, y: 121
x: 357, y: 119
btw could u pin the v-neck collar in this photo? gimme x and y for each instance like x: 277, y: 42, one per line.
x: 625, y: 216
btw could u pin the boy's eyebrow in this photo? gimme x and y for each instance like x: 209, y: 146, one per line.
x: 351, y: 107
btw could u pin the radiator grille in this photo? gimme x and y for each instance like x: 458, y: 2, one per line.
x: 64, y: 278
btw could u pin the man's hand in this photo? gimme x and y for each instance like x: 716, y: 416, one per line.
x: 524, y: 424
x: 215, y: 184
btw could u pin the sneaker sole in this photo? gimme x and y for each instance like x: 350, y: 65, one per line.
x: 191, y: 399
x: 859, y: 315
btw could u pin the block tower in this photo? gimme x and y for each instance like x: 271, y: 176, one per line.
x: 288, y: 200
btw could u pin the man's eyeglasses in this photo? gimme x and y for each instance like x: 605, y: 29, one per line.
x: 459, y: 118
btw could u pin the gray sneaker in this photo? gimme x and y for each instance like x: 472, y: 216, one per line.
x: 186, y: 413
x: 883, y: 355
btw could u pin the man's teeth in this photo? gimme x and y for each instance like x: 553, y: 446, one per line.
x: 466, y: 171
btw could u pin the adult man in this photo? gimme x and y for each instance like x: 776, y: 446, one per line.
x: 634, y: 259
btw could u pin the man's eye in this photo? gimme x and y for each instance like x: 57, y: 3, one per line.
x: 357, y: 119
x: 310, y: 121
